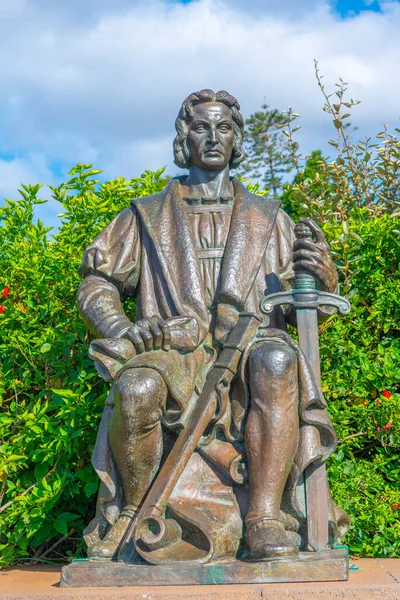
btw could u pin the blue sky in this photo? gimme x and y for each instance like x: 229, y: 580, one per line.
x: 348, y: 8
x: 101, y: 81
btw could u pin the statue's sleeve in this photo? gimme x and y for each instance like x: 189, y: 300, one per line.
x: 110, y: 270
x: 286, y: 239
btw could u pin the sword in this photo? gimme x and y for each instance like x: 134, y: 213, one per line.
x: 306, y: 299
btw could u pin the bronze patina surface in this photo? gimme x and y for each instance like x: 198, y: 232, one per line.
x: 215, y: 434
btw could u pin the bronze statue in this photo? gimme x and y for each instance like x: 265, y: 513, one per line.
x: 215, y: 418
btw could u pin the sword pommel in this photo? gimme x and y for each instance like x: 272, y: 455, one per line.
x: 302, y: 231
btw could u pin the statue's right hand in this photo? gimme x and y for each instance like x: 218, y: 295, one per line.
x: 149, y: 334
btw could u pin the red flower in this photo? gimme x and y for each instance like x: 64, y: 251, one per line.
x: 364, y: 403
x: 51, y: 282
x: 2, y: 308
x: 396, y: 506
x: 386, y: 394
x: 388, y: 425
x: 5, y: 292
x: 378, y: 428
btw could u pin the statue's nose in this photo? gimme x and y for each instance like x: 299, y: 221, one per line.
x: 213, y: 137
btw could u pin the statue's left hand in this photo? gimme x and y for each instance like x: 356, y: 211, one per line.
x: 316, y: 258
x: 154, y: 333
x: 149, y: 334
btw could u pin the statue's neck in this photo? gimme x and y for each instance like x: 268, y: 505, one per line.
x: 208, y: 184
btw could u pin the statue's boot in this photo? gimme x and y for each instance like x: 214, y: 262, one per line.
x: 109, y: 546
x: 267, y: 540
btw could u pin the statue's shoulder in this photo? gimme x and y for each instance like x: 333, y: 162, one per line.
x: 152, y: 205
x: 149, y: 208
x: 261, y: 200
x: 268, y: 207
x: 284, y: 219
x: 148, y: 201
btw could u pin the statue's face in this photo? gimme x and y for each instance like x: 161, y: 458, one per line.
x: 211, y: 136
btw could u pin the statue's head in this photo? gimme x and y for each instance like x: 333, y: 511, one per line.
x: 209, y: 132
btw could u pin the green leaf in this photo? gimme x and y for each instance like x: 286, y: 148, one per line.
x: 339, y: 456
x: 91, y: 488
x: 45, y: 348
x: 355, y: 235
x: 60, y: 526
x: 67, y: 516
x: 41, y: 469
x: 64, y: 393
x: 14, y: 457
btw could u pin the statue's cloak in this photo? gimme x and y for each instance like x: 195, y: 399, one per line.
x: 148, y: 252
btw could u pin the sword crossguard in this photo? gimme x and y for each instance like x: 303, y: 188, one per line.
x: 301, y: 299
x: 305, y: 293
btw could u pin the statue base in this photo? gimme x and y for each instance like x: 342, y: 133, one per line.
x: 330, y: 565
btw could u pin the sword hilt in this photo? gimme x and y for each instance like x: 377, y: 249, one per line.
x: 303, y: 280
x: 304, y: 293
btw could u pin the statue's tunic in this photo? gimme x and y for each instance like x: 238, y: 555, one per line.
x: 182, y: 258
x: 151, y: 251
x: 209, y: 222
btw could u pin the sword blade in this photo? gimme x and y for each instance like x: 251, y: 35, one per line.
x: 316, y: 483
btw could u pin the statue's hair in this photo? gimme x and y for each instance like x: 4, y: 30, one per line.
x: 181, y: 150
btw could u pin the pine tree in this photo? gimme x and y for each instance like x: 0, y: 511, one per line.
x: 267, y: 149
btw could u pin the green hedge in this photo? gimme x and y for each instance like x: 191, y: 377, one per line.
x: 361, y: 381
x: 52, y: 398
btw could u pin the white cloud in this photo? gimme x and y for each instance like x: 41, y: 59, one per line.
x: 30, y: 169
x: 103, y: 81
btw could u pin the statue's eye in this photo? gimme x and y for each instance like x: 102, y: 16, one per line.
x: 199, y: 128
x: 224, y: 128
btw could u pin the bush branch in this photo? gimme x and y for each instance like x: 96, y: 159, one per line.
x: 30, y: 488
x: 351, y: 437
x: 54, y: 546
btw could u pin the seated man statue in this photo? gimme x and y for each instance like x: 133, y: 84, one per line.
x: 195, y: 256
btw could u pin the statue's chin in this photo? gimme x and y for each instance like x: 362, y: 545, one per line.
x: 214, y: 162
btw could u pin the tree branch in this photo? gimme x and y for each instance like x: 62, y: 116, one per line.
x: 54, y: 546
x: 351, y: 437
x: 30, y: 488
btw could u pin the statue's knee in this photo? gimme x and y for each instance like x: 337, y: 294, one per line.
x: 273, y: 359
x: 141, y: 393
x: 273, y: 376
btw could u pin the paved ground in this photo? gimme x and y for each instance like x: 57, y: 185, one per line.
x: 377, y: 579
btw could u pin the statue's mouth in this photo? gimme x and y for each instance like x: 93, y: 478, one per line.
x: 213, y: 153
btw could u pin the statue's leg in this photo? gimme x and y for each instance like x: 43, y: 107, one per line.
x: 135, y: 437
x: 135, y: 430
x: 272, y: 435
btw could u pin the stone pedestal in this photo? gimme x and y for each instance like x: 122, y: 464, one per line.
x: 331, y: 565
